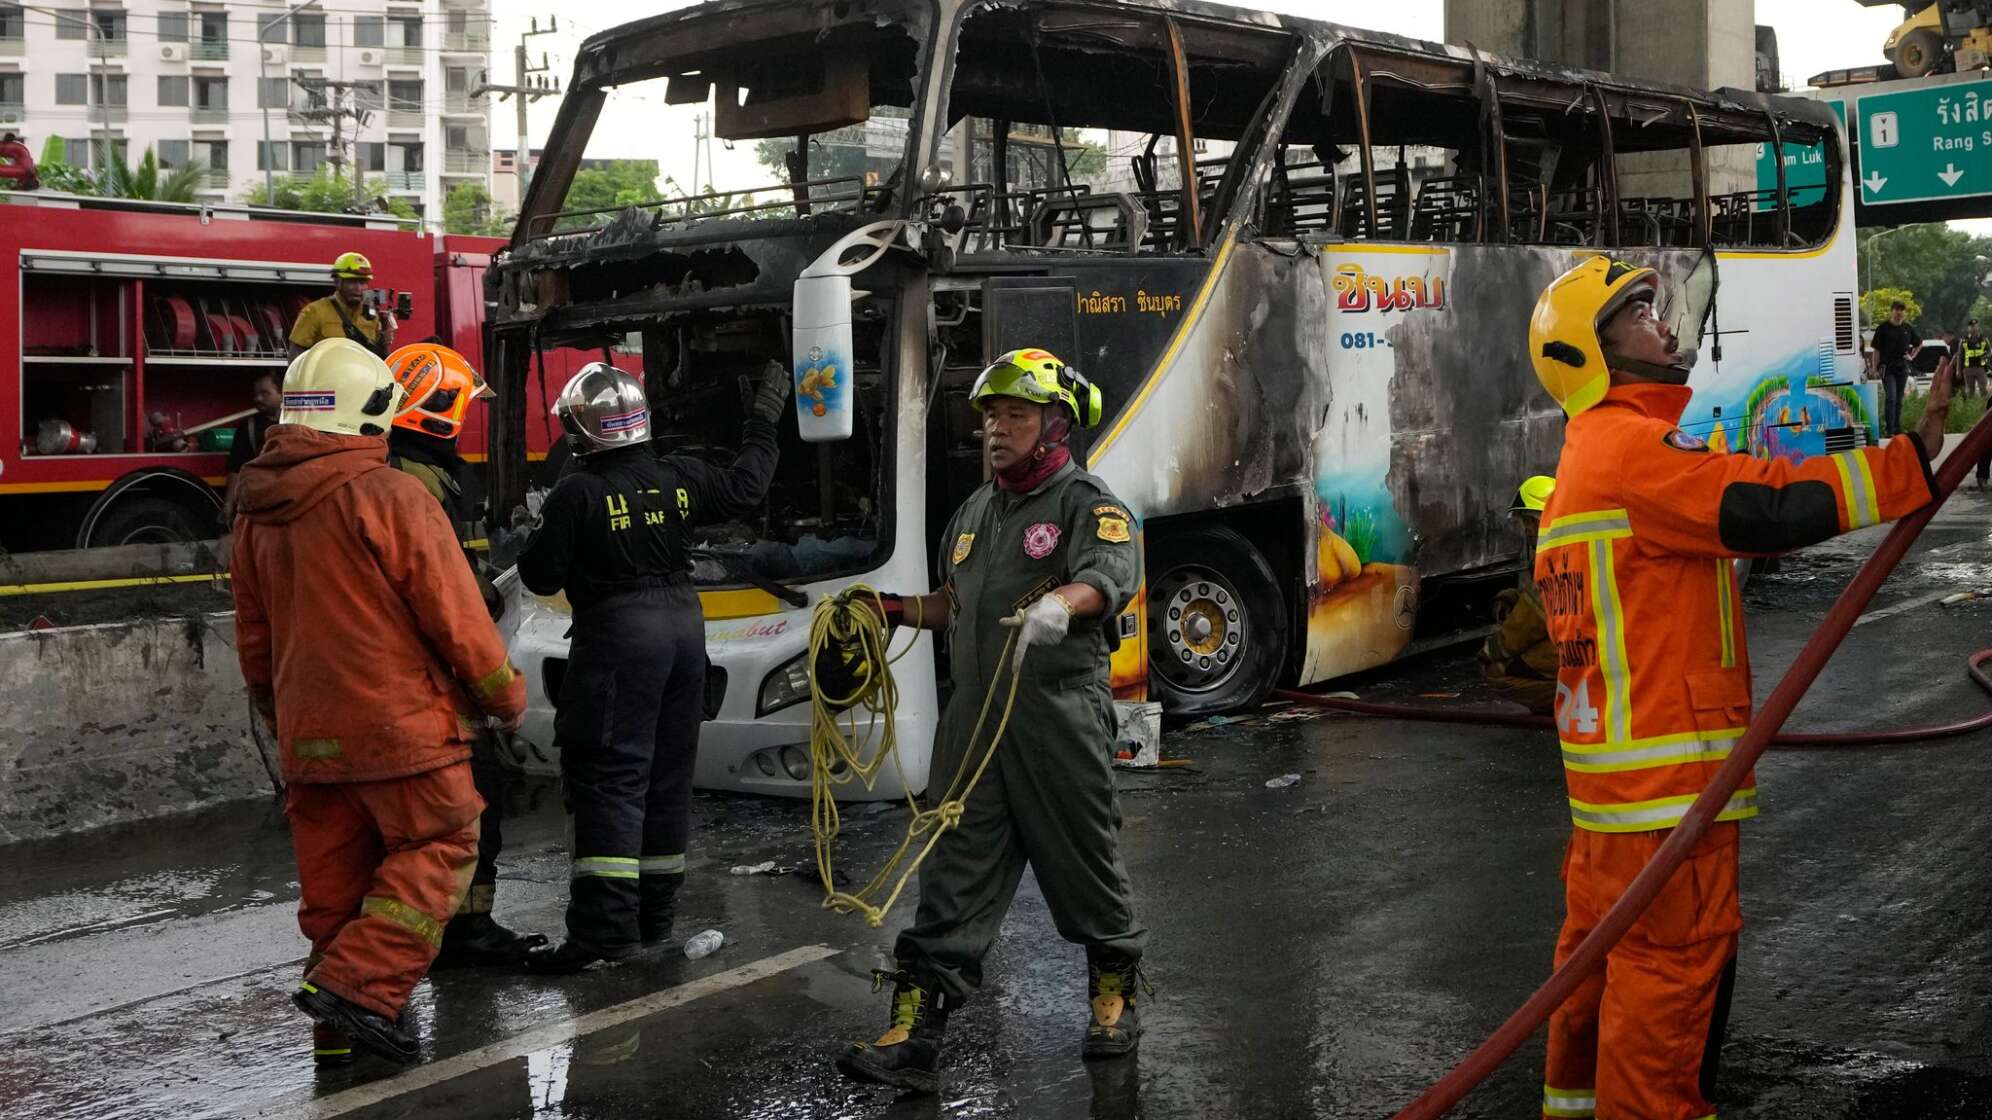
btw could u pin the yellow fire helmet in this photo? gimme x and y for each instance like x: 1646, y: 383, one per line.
x: 1039, y: 377
x: 1533, y: 494
x: 1564, y: 347
x: 341, y: 387
x: 353, y: 266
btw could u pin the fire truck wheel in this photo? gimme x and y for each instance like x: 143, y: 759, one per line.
x: 149, y: 521
x: 1217, y: 622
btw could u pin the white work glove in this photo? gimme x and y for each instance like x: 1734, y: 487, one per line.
x: 1043, y: 623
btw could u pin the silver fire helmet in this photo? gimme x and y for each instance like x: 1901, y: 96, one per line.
x: 601, y: 408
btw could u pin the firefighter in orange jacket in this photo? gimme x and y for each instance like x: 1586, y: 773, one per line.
x: 1653, y: 688
x: 366, y: 646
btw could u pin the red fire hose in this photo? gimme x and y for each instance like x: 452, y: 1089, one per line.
x: 1589, y: 955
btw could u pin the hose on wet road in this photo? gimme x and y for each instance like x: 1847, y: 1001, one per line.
x: 1589, y: 956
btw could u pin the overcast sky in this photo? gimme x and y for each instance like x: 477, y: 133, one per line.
x: 1813, y: 35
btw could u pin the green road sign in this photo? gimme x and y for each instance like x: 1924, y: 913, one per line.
x: 1805, y: 170
x: 1926, y: 144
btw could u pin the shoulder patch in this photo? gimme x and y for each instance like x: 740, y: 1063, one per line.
x: 1682, y: 441
x: 1112, y: 529
x: 1110, y: 510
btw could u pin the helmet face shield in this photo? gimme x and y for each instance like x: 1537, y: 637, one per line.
x: 1687, y: 307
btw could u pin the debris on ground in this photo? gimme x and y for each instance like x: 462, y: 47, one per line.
x: 1282, y: 782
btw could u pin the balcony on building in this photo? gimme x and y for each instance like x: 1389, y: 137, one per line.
x: 474, y: 40
x: 405, y: 182
x: 460, y: 104
x: 208, y: 50
x: 467, y: 161
x: 402, y: 113
x: 210, y: 114
x: 12, y: 45
x: 109, y: 48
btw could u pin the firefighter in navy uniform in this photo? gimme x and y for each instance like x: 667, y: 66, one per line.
x: 1045, y: 552
x: 440, y: 386
x: 614, y: 534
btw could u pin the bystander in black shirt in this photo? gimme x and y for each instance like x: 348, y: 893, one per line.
x: 1892, y: 343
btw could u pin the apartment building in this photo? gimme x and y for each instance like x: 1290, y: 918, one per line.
x: 249, y: 87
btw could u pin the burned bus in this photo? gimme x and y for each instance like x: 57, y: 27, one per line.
x: 1298, y: 258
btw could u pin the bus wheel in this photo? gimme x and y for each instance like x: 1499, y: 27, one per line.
x: 1217, y: 621
x: 148, y: 521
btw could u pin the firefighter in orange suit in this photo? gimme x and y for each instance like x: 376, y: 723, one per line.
x: 1653, y: 687
x: 366, y: 646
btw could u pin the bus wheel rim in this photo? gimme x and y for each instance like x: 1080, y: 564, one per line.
x: 1203, y: 627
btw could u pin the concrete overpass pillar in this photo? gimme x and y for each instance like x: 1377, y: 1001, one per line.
x: 1700, y: 43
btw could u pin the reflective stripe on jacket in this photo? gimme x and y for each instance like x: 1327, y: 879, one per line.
x: 1633, y: 565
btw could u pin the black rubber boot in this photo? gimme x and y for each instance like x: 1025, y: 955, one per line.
x: 908, y: 1055
x: 570, y: 956
x: 477, y: 940
x: 375, y: 1033
x: 658, y: 906
x: 1112, y: 987
x: 329, y: 1048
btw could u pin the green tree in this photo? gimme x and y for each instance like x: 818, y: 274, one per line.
x: 175, y: 184
x: 1942, y: 266
x: 468, y: 209
x: 619, y: 183
x: 58, y: 174
x: 1875, y: 304
x: 327, y: 192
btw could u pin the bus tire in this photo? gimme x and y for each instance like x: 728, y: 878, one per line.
x: 1217, y: 621
x: 149, y: 520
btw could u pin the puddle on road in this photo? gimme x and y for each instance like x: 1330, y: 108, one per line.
x: 1926, y: 1093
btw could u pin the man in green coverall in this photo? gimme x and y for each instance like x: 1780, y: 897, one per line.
x: 1045, y: 552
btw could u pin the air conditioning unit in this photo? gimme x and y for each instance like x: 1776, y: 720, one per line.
x: 275, y: 56
x: 371, y: 57
x: 172, y: 52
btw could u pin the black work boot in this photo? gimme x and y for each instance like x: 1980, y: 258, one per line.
x: 908, y: 1055
x: 1111, y: 987
x: 471, y: 940
x: 657, y: 907
x: 330, y: 1048
x: 570, y: 956
x: 375, y: 1033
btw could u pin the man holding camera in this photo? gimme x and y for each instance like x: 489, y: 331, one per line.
x: 347, y: 313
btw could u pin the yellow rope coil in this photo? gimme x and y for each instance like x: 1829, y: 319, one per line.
x: 852, y: 737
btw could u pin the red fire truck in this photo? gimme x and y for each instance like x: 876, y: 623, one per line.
x: 140, y: 328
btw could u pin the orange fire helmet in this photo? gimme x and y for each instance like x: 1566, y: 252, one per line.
x: 440, y: 386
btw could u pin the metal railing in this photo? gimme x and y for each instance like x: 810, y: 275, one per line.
x: 215, y: 181
x: 463, y: 103
x: 109, y: 48
x: 114, y: 114
x: 467, y: 41
x: 835, y: 193
x: 405, y: 114
x: 210, y: 115
x: 302, y: 53
x: 466, y: 161
x: 13, y: 45
x: 404, y: 180
x: 404, y: 56
x: 208, y: 50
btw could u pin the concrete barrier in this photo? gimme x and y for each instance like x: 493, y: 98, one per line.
x: 123, y: 721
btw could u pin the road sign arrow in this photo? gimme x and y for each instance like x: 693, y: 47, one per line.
x: 1950, y: 175
x: 1874, y: 181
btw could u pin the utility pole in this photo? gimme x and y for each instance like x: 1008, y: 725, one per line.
x: 332, y: 103
x: 527, y: 89
x: 262, y: 75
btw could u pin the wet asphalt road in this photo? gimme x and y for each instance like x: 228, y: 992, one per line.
x: 1325, y: 949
